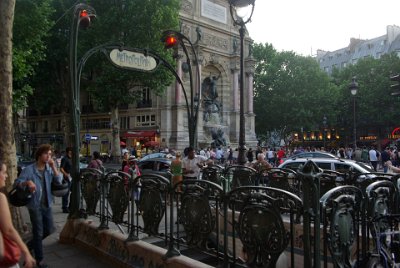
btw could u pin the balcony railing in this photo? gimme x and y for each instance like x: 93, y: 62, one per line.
x: 144, y: 104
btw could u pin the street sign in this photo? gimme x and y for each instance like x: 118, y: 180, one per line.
x: 88, y: 137
x: 132, y: 60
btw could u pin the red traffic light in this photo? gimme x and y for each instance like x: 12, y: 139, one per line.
x: 170, y: 41
x: 84, y: 13
x: 84, y: 19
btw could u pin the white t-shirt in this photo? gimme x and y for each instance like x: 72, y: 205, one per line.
x: 372, y: 155
x: 192, y: 164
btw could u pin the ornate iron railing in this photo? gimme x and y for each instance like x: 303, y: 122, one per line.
x: 237, y: 216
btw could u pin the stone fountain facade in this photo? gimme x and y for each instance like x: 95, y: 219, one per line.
x: 218, y: 50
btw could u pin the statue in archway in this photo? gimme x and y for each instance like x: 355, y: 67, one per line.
x: 212, y: 106
x: 218, y: 138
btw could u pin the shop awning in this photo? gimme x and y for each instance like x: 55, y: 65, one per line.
x: 140, y: 134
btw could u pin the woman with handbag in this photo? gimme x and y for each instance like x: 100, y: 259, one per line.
x: 13, y: 246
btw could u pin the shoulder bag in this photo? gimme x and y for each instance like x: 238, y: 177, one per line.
x: 12, y: 253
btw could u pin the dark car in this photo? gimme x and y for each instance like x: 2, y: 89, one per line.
x: 160, y: 166
x: 154, y: 155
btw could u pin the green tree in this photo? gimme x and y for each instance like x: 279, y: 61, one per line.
x: 139, y: 24
x: 375, y: 107
x: 52, y: 80
x: 291, y: 92
x: 134, y: 23
x: 31, y: 25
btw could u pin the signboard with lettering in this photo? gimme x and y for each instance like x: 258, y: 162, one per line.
x: 133, y: 60
x: 213, y: 11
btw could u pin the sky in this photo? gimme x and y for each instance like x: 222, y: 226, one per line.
x: 308, y: 25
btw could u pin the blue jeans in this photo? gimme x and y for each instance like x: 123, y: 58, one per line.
x: 42, y: 227
x: 65, y: 198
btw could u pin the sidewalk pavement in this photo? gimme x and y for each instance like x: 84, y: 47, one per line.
x: 58, y: 255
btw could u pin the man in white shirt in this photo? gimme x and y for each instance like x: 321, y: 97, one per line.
x: 373, y: 158
x: 219, y: 154
x: 192, y: 164
x: 202, y: 152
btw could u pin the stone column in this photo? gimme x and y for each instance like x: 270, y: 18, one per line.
x: 200, y: 123
x: 250, y: 93
x: 235, y: 90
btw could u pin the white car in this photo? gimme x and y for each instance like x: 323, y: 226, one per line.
x: 336, y: 164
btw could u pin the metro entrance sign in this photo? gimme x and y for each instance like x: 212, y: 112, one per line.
x: 132, y: 60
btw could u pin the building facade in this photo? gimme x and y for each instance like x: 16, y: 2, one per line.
x: 156, y: 122
x: 358, y: 49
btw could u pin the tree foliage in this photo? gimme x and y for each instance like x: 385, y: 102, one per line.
x: 139, y: 24
x: 291, y: 92
x: 31, y: 25
x: 375, y: 107
x: 134, y: 24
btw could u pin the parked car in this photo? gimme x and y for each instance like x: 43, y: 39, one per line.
x: 336, y: 164
x: 160, y: 166
x: 153, y: 155
x: 83, y: 163
x: 23, y: 162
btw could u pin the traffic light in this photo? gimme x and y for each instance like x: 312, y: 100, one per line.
x: 170, y: 41
x: 396, y: 86
x: 85, y: 18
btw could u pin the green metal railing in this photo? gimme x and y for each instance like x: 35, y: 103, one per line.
x: 226, y: 216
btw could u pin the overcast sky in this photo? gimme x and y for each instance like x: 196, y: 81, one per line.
x: 308, y: 25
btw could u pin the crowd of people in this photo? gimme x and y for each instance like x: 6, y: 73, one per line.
x: 386, y: 160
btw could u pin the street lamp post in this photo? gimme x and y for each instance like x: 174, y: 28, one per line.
x: 171, y: 39
x: 353, y: 89
x: 324, y: 122
x: 81, y: 18
x: 241, y: 12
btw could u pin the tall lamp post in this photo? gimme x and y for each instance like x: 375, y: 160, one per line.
x: 241, y: 12
x: 171, y: 39
x: 353, y: 90
x: 82, y: 16
x: 324, y: 123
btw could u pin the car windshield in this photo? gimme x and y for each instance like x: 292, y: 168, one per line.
x: 314, y: 155
x: 154, y: 155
